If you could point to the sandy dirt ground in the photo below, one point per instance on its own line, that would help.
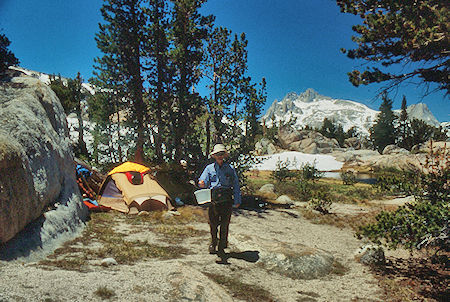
(187, 277)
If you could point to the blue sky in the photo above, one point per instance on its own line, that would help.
(294, 44)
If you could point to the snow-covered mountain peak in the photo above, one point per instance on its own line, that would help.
(309, 108)
(422, 112)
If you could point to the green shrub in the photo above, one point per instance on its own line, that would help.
(282, 172)
(305, 189)
(310, 172)
(396, 182)
(320, 201)
(424, 223)
(348, 177)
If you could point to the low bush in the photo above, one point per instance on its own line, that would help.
(425, 222)
(282, 172)
(348, 177)
(396, 182)
(320, 201)
(310, 172)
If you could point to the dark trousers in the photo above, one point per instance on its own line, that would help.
(220, 215)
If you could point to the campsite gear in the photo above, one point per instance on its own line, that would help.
(223, 176)
(203, 196)
(221, 195)
(178, 201)
(218, 148)
(129, 188)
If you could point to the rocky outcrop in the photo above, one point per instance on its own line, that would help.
(267, 188)
(306, 141)
(354, 143)
(265, 146)
(37, 171)
(294, 261)
(355, 155)
(427, 147)
(393, 149)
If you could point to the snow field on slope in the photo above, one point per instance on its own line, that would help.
(322, 162)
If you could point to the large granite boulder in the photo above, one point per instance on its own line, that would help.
(429, 146)
(295, 260)
(37, 171)
(393, 149)
(265, 147)
(352, 156)
(307, 141)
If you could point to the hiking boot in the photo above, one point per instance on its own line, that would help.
(212, 249)
(221, 253)
(223, 246)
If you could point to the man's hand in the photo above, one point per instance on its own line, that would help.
(201, 184)
(236, 205)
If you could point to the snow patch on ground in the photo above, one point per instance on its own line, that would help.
(322, 162)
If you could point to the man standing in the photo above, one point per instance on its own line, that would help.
(222, 179)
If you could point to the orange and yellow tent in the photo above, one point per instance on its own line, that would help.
(130, 188)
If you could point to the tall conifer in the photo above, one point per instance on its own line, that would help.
(189, 30)
(121, 39)
(383, 132)
(404, 128)
(159, 74)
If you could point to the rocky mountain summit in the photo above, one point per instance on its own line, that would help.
(310, 109)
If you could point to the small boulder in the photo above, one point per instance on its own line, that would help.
(284, 199)
(267, 188)
(108, 262)
(370, 255)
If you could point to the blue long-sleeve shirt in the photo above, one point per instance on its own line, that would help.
(224, 176)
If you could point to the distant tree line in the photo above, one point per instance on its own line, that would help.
(392, 130)
(388, 129)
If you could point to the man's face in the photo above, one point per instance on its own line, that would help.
(219, 157)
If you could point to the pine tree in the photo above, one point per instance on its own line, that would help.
(404, 128)
(160, 72)
(226, 66)
(78, 96)
(72, 95)
(218, 70)
(189, 31)
(121, 39)
(7, 58)
(62, 91)
(328, 128)
(383, 132)
(420, 131)
(253, 107)
(412, 34)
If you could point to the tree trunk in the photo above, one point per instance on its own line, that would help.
(208, 136)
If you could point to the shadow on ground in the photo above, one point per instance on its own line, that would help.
(249, 256)
(426, 279)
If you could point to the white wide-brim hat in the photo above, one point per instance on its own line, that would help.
(218, 148)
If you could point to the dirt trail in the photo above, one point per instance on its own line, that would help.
(194, 275)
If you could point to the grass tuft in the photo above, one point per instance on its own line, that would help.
(69, 264)
(104, 293)
(242, 291)
(341, 221)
